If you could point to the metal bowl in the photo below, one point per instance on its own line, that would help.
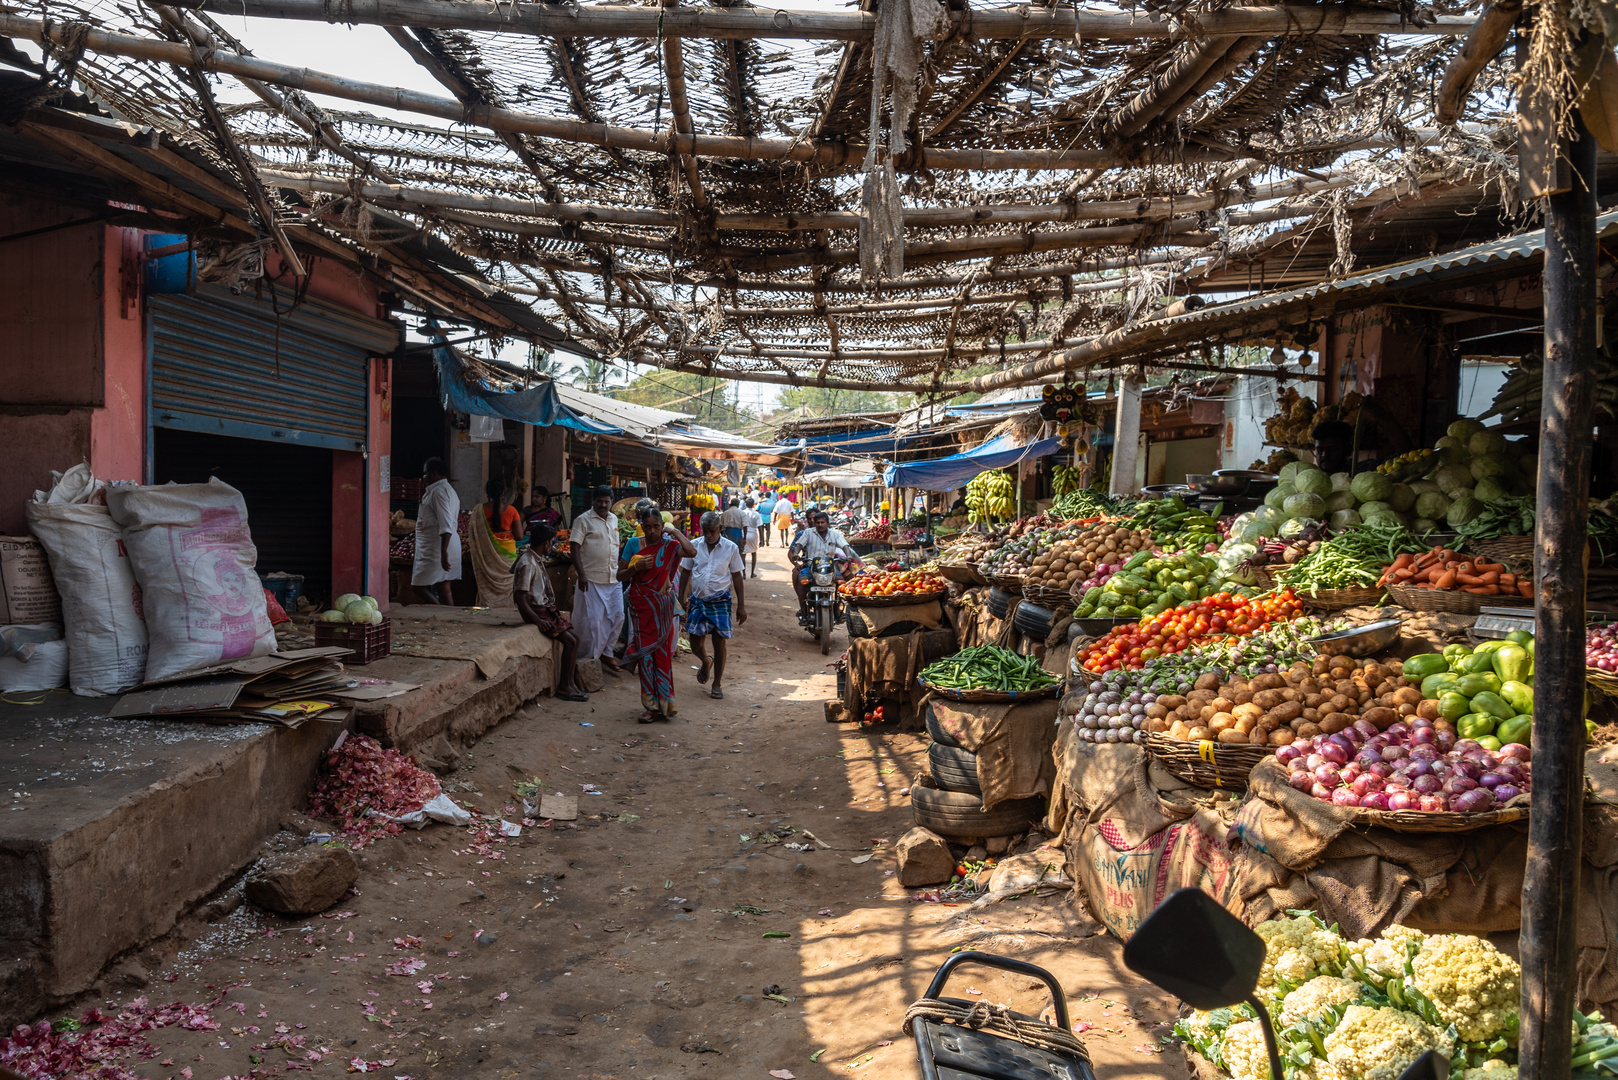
(1360, 641)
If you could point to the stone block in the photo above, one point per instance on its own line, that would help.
(924, 858)
(303, 882)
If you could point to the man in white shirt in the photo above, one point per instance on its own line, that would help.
(815, 541)
(750, 538)
(733, 522)
(438, 537)
(598, 601)
(707, 581)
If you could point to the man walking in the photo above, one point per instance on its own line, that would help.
(707, 581)
(766, 507)
(438, 538)
(750, 538)
(733, 522)
(598, 602)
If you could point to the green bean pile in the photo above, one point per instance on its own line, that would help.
(987, 667)
(1353, 559)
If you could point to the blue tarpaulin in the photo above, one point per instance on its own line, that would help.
(954, 471)
(538, 405)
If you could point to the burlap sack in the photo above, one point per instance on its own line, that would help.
(928, 615)
(1012, 742)
(888, 668)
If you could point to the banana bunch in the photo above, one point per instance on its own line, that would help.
(1064, 480)
(1520, 395)
(988, 496)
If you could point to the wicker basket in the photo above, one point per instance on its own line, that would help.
(1212, 765)
(991, 695)
(1451, 601)
(1604, 681)
(1436, 821)
(1012, 583)
(1514, 551)
(896, 600)
(1338, 599)
(1058, 600)
(960, 573)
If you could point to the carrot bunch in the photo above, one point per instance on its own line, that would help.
(1443, 568)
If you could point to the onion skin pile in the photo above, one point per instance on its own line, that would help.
(1412, 766)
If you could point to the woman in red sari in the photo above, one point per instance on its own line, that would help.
(653, 630)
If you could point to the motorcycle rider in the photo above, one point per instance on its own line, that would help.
(819, 539)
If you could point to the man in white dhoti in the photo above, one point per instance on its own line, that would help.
(598, 602)
(438, 538)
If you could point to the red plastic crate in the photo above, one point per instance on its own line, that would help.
(408, 488)
(368, 642)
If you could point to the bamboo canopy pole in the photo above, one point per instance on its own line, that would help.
(1550, 895)
(624, 21)
(1483, 43)
(830, 154)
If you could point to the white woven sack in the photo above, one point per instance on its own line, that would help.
(194, 557)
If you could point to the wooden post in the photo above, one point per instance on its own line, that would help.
(1551, 882)
(1126, 437)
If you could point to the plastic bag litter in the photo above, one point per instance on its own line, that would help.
(1033, 872)
(438, 808)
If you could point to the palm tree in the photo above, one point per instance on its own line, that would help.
(595, 375)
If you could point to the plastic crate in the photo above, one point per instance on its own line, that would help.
(367, 642)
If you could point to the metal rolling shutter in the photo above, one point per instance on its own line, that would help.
(222, 364)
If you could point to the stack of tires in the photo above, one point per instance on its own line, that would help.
(951, 803)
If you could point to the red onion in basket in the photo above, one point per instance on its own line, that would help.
(1366, 728)
(1365, 784)
(1424, 736)
(1302, 780)
(1334, 754)
(1328, 775)
(1434, 803)
(1426, 785)
(1394, 753)
(1286, 755)
(1344, 797)
(1403, 800)
(1459, 785)
(1376, 800)
(1506, 792)
(1472, 802)
(1398, 730)
(1516, 751)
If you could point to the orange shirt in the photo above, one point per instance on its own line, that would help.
(510, 519)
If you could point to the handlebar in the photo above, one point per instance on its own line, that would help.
(1058, 999)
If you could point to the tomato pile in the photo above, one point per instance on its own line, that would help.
(872, 716)
(903, 583)
(1135, 645)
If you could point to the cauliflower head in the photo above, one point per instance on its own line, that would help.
(1385, 954)
(1296, 950)
(1472, 984)
(1244, 1052)
(1493, 1069)
(1315, 996)
(1380, 1043)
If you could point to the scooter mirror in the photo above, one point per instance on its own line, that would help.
(1430, 1066)
(1196, 950)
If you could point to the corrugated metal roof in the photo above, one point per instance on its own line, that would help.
(638, 420)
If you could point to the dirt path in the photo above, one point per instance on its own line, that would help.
(642, 946)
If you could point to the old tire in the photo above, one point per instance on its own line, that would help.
(999, 602)
(1034, 621)
(824, 623)
(953, 769)
(936, 730)
(961, 816)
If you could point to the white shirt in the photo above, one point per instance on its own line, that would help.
(529, 575)
(753, 520)
(595, 538)
(733, 518)
(438, 513)
(712, 567)
(813, 545)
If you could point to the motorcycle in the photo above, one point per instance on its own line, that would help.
(825, 602)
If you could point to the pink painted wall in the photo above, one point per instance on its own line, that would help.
(379, 439)
(118, 431)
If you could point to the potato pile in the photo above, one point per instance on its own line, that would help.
(1303, 701)
(971, 549)
(1069, 562)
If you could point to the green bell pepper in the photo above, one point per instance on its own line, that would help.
(1475, 663)
(1475, 725)
(1453, 706)
(1453, 653)
(1436, 686)
(1518, 729)
(1092, 594)
(1490, 743)
(1493, 704)
(1141, 559)
(1491, 646)
(1473, 685)
(1181, 591)
(1126, 611)
(1425, 664)
(1520, 696)
(1520, 637)
(1512, 663)
(1084, 611)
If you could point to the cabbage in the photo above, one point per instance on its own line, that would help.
(1484, 468)
(1422, 526)
(1340, 481)
(1270, 515)
(342, 602)
(1453, 477)
(1237, 523)
(1487, 444)
(1231, 554)
(1431, 504)
(1305, 504)
(1257, 532)
(1278, 495)
(1383, 517)
(1451, 451)
(1339, 500)
(1367, 509)
(1461, 511)
(1402, 497)
(1294, 526)
(1343, 519)
(361, 612)
(1313, 481)
(1291, 469)
(1463, 429)
(1371, 487)
(1490, 490)
(372, 601)
(1461, 493)
(1422, 487)
(333, 616)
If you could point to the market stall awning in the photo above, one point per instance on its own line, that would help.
(954, 471)
(626, 416)
(712, 444)
(856, 474)
(538, 405)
